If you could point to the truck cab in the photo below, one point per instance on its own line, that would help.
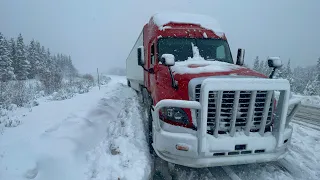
(204, 108)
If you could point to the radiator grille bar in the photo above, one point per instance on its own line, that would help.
(250, 113)
(218, 104)
(234, 113)
(265, 112)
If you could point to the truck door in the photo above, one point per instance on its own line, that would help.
(152, 63)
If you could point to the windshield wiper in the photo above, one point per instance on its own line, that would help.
(174, 84)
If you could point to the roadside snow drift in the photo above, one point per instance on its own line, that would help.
(98, 135)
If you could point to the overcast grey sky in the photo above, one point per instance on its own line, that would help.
(100, 33)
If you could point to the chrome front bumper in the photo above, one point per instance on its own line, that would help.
(205, 150)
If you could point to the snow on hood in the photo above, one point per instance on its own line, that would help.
(197, 64)
(192, 66)
(207, 22)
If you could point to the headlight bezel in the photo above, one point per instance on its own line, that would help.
(174, 114)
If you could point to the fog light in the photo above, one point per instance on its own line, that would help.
(182, 147)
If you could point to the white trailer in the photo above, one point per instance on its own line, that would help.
(134, 73)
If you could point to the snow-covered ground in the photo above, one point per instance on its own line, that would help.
(97, 135)
(100, 136)
(313, 101)
(309, 100)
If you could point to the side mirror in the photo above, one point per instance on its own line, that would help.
(140, 54)
(240, 57)
(274, 62)
(168, 59)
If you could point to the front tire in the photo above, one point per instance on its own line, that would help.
(147, 104)
(128, 83)
(150, 132)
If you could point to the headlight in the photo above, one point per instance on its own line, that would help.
(174, 114)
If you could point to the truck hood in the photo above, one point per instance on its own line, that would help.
(187, 70)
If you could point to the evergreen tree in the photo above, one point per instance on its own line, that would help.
(6, 70)
(256, 64)
(33, 59)
(43, 59)
(39, 58)
(267, 69)
(312, 87)
(289, 75)
(280, 73)
(55, 65)
(48, 61)
(288, 69)
(23, 64)
(261, 67)
(13, 53)
(72, 69)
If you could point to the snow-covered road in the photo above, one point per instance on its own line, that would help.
(100, 136)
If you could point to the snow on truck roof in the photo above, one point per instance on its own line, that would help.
(207, 22)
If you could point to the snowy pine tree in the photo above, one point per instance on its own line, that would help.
(43, 59)
(267, 69)
(289, 75)
(261, 67)
(22, 64)
(6, 69)
(288, 69)
(13, 53)
(49, 63)
(39, 59)
(33, 59)
(280, 73)
(312, 87)
(256, 64)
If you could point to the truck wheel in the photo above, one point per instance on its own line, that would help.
(150, 138)
(128, 83)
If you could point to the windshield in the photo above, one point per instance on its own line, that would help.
(181, 48)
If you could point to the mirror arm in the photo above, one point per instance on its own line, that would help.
(272, 73)
(151, 70)
(173, 81)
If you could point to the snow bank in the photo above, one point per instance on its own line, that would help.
(161, 19)
(123, 153)
(197, 64)
(94, 135)
(309, 100)
(313, 101)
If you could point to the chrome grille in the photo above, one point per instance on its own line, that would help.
(241, 118)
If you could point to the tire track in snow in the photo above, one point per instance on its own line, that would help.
(230, 173)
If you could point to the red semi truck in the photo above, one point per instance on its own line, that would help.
(203, 108)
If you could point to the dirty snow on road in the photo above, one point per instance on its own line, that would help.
(97, 135)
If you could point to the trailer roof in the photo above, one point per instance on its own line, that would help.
(207, 22)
